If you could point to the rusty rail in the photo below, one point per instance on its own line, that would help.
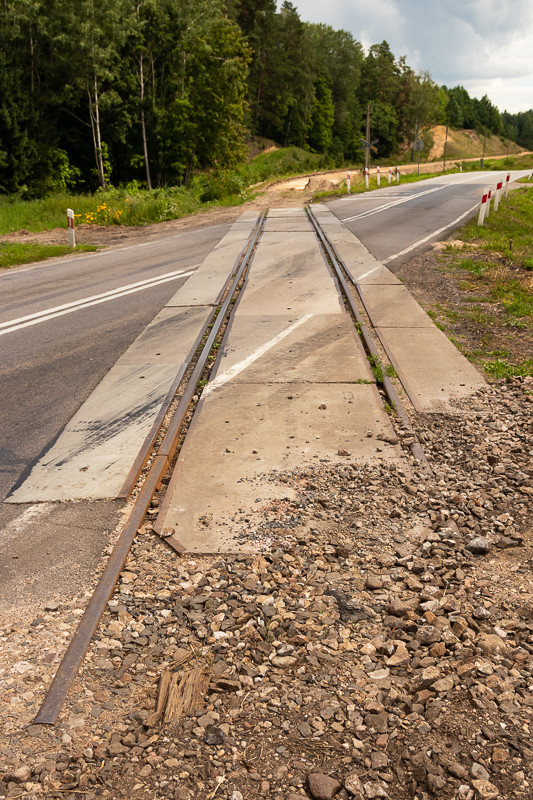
(340, 270)
(75, 653)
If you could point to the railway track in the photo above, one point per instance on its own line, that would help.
(158, 454)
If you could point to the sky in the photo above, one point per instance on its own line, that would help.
(484, 45)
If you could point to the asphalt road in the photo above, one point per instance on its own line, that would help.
(63, 324)
(398, 221)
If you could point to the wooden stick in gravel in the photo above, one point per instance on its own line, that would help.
(179, 694)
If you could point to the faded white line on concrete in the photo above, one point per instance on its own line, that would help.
(231, 373)
(430, 236)
(15, 527)
(386, 206)
(366, 274)
(68, 308)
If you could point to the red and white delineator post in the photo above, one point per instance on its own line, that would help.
(507, 181)
(348, 179)
(390, 175)
(397, 174)
(71, 232)
(498, 195)
(483, 207)
(366, 177)
(378, 176)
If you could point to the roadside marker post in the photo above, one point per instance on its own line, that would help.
(378, 175)
(507, 180)
(487, 210)
(483, 207)
(390, 175)
(397, 174)
(348, 176)
(366, 178)
(71, 231)
(498, 195)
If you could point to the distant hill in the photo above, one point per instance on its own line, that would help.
(466, 143)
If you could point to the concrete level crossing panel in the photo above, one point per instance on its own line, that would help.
(361, 265)
(393, 307)
(206, 285)
(284, 394)
(313, 348)
(91, 458)
(243, 436)
(432, 371)
(289, 274)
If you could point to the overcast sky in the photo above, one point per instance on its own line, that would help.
(484, 45)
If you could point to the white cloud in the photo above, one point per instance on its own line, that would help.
(485, 45)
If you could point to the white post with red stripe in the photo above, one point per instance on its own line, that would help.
(348, 177)
(71, 232)
(366, 177)
(483, 207)
(507, 180)
(498, 195)
(489, 197)
(397, 174)
(390, 175)
(378, 175)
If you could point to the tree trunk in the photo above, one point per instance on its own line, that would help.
(94, 113)
(143, 126)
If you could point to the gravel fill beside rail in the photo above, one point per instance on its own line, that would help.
(379, 647)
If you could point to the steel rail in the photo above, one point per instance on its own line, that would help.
(340, 270)
(151, 437)
(75, 653)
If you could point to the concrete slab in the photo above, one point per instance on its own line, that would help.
(361, 265)
(289, 274)
(323, 349)
(168, 339)
(215, 504)
(93, 455)
(287, 224)
(207, 283)
(297, 211)
(394, 307)
(432, 370)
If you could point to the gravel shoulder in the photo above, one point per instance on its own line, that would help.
(380, 646)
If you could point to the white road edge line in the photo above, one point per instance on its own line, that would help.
(176, 273)
(430, 236)
(82, 305)
(231, 373)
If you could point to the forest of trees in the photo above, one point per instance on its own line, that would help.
(94, 93)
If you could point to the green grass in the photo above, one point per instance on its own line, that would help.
(376, 367)
(118, 206)
(515, 299)
(13, 254)
(501, 369)
(282, 163)
(508, 232)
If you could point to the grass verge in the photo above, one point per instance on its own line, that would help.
(14, 254)
(488, 311)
